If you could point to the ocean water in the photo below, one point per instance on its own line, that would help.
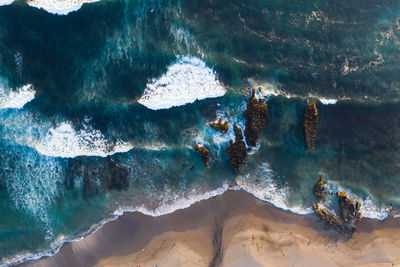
(102, 101)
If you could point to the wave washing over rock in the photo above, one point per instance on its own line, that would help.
(187, 80)
(64, 141)
(16, 98)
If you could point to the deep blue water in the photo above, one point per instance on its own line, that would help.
(76, 145)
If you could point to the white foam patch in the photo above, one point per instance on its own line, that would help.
(33, 185)
(59, 7)
(187, 80)
(6, 2)
(261, 184)
(64, 141)
(327, 101)
(16, 98)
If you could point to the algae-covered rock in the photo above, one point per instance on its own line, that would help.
(256, 115)
(328, 217)
(220, 126)
(237, 150)
(205, 156)
(320, 187)
(310, 124)
(349, 211)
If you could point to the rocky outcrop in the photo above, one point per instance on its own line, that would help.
(237, 150)
(310, 124)
(320, 187)
(256, 114)
(205, 156)
(220, 126)
(349, 212)
(327, 216)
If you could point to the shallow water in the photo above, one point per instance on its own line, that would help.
(77, 143)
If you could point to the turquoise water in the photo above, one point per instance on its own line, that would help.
(98, 112)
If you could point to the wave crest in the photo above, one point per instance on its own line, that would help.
(59, 7)
(64, 141)
(16, 98)
(187, 80)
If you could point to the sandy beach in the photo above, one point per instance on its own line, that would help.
(234, 229)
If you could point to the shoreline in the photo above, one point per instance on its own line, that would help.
(225, 230)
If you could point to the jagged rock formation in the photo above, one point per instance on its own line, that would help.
(256, 115)
(327, 216)
(320, 187)
(237, 149)
(350, 213)
(310, 124)
(220, 126)
(205, 156)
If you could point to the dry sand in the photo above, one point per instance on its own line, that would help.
(234, 229)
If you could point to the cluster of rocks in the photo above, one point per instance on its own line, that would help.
(205, 155)
(256, 114)
(310, 124)
(350, 213)
(220, 126)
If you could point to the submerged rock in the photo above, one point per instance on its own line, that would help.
(256, 115)
(205, 156)
(320, 187)
(237, 149)
(310, 124)
(220, 126)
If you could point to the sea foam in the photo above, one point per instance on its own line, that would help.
(64, 141)
(179, 202)
(187, 80)
(261, 184)
(6, 2)
(16, 98)
(59, 7)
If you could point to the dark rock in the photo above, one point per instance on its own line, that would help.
(328, 217)
(237, 149)
(320, 187)
(349, 211)
(203, 153)
(310, 124)
(220, 126)
(256, 115)
(350, 214)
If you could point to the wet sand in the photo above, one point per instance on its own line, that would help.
(234, 229)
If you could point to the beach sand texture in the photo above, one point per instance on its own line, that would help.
(233, 229)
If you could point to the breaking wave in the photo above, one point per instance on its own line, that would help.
(261, 184)
(16, 98)
(59, 7)
(187, 80)
(64, 141)
(6, 2)
(177, 203)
